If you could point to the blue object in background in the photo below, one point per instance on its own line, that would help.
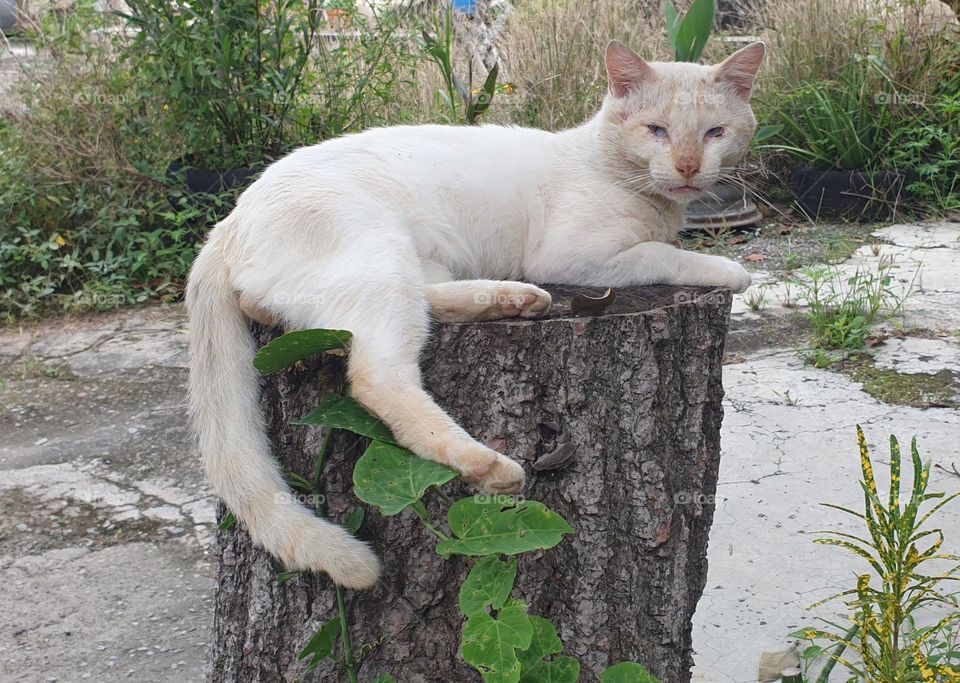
(468, 7)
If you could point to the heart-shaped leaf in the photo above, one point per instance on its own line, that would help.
(490, 527)
(342, 412)
(393, 478)
(321, 645)
(354, 520)
(490, 644)
(628, 672)
(284, 351)
(544, 643)
(559, 670)
(488, 585)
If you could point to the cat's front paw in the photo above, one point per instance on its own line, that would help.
(519, 299)
(491, 472)
(731, 275)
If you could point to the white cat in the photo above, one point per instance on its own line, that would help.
(375, 232)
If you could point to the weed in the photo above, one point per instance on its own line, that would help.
(844, 308)
(884, 642)
(756, 298)
(788, 400)
(820, 359)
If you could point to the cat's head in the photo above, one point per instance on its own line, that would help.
(674, 129)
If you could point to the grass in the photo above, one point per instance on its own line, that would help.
(920, 390)
(844, 308)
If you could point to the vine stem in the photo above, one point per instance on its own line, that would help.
(443, 496)
(349, 663)
(422, 514)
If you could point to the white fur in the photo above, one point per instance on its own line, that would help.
(369, 232)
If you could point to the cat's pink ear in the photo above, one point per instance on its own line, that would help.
(626, 69)
(740, 68)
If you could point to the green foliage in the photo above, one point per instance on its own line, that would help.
(455, 94)
(248, 80)
(321, 644)
(930, 148)
(295, 346)
(487, 525)
(838, 123)
(627, 672)
(393, 478)
(500, 639)
(535, 666)
(341, 412)
(488, 585)
(86, 217)
(890, 107)
(84, 221)
(897, 548)
(844, 308)
(490, 643)
(689, 34)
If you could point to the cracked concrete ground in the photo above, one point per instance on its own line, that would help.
(789, 444)
(105, 524)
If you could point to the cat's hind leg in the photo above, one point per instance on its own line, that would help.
(386, 310)
(477, 300)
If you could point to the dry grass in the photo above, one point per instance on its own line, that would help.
(813, 40)
(553, 51)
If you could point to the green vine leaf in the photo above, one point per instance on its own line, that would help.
(229, 521)
(283, 577)
(488, 585)
(354, 520)
(559, 670)
(628, 672)
(342, 412)
(321, 645)
(544, 643)
(393, 478)
(490, 644)
(284, 351)
(491, 527)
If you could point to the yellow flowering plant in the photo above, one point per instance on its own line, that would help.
(880, 643)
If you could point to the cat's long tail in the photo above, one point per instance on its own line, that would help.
(225, 413)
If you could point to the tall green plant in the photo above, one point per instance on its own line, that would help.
(456, 96)
(842, 123)
(500, 639)
(248, 80)
(689, 34)
(880, 644)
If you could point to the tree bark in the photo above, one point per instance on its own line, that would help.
(636, 391)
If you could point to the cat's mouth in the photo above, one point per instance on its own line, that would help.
(685, 190)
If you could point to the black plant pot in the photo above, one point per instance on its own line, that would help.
(200, 181)
(852, 195)
(726, 208)
(200, 188)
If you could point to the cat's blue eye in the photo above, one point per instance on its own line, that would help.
(715, 132)
(658, 131)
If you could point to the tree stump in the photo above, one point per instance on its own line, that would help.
(635, 393)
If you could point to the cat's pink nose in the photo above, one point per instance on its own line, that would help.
(688, 167)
